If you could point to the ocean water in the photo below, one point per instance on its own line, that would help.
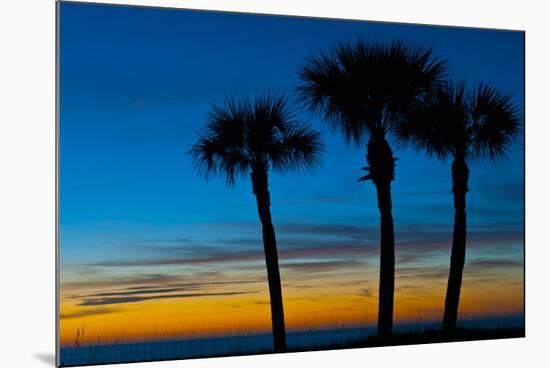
(249, 344)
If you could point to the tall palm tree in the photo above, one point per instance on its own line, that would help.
(255, 137)
(363, 89)
(453, 123)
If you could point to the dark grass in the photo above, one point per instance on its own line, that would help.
(262, 344)
(438, 336)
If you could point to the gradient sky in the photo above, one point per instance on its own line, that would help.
(150, 250)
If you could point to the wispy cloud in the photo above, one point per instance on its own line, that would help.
(322, 199)
(333, 230)
(326, 266)
(215, 257)
(139, 290)
(512, 191)
(134, 299)
(494, 263)
(229, 256)
(86, 313)
(321, 241)
(340, 198)
(145, 280)
(422, 273)
(367, 293)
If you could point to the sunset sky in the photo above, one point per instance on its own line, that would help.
(150, 250)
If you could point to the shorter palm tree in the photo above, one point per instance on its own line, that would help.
(452, 123)
(255, 137)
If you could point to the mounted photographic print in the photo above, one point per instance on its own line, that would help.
(236, 184)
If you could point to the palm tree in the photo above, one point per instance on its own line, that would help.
(363, 89)
(255, 137)
(464, 127)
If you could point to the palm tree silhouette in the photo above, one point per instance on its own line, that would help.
(257, 136)
(363, 89)
(463, 126)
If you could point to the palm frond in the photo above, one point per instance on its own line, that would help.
(436, 123)
(328, 91)
(361, 87)
(299, 148)
(496, 122)
(250, 134)
(483, 123)
(220, 149)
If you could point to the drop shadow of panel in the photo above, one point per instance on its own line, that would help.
(47, 358)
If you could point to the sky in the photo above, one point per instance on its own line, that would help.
(149, 249)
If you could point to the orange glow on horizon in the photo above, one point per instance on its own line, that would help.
(311, 308)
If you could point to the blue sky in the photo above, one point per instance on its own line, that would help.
(136, 85)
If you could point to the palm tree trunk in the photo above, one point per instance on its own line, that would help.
(387, 262)
(382, 169)
(460, 174)
(259, 185)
